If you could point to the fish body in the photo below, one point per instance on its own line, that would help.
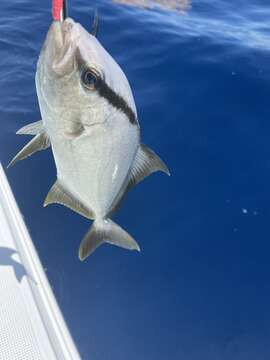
(90, 120)
(94, 144)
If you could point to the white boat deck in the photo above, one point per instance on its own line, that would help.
(31, 324)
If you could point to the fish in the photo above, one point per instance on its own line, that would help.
(90, 121)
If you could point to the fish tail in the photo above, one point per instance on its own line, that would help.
(105, 231)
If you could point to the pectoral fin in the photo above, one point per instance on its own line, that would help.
(39, 142)
(59, 195)
(146, 162)
(31, 129)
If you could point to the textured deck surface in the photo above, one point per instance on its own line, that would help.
(31, 324)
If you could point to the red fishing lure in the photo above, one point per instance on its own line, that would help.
(57, 9)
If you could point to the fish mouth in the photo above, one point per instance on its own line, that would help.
(62, 43)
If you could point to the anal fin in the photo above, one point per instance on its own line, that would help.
(59, 195)
(39, 142)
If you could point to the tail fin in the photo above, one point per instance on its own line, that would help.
(105, 231)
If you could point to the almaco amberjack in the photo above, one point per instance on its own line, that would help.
(90, 120)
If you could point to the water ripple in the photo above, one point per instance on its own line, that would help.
(221, 22)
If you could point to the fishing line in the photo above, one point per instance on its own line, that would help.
(59, 10)
(65, 9)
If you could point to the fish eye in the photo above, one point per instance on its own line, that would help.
(90, 78)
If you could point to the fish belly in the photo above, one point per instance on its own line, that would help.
(95, 165)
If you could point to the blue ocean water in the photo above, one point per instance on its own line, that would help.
(200, 287)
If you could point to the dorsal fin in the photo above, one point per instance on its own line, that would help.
(146, 162)
(39, 142)
(59, 195)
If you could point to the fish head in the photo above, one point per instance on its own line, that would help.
(78, 82)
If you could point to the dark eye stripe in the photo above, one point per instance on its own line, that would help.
(109, 94)
(116, 100)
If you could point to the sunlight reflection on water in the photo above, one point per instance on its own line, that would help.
(179, 5)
